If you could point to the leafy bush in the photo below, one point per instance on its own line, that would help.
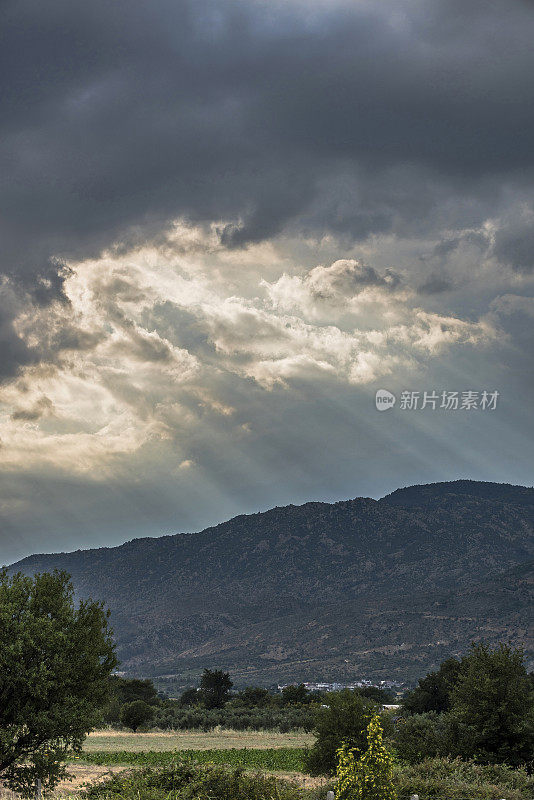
(343, 721)
(424, 736)
(136, 714)
(187, 781)
(367, 776)
(456, 779)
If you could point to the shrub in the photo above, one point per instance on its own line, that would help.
(191, 782)
(344, 720)
(423, 736)
(366, 776)
(456, 779)
(135, 715)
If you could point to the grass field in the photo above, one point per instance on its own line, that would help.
(119, 741)
(280, 759)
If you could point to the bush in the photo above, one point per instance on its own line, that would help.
(343, 721)
(191, 782)
(135, 715)
(456, 779)
(423, 736)
(370, 776)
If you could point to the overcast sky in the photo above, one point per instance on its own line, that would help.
(224, 225)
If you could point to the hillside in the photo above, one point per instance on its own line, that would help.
(381, 588)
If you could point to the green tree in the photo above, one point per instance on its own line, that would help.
(380, 696)
(295, 695)
(344, 720)
(215, 687)
(126, 690)
(493, 705)
(433, 692)
(55, 662)
(190, 697)
(421, 736)
(254, 696)
(136, 714)
(367, 775)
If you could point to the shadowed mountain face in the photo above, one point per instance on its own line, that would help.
(381, 589)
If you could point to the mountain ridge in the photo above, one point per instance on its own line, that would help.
(277, 594)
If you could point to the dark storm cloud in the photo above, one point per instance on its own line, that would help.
(119, 116)
(435, 284)
(514, 246)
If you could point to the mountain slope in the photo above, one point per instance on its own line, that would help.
(384, 588)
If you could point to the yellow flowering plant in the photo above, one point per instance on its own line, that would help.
(367, 775)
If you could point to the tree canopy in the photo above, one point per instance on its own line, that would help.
(480, 707)
(433, 692)
(493, 705)
(55, 662)
(343, 721)
(215, 687)
(136, 714)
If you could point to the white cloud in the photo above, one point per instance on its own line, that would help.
(152, 342)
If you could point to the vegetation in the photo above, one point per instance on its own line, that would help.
(188, 781)
(171, 717)
(488, 702)
(281, 759)
(367, 775)
(457, 779)
(342, 722)
(433, 692)
(136, 714)
(215, 688)
(55, 662)
(493, 706)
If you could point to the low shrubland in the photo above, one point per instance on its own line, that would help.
(456, 779)
(189, 781)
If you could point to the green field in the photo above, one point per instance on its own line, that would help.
(281, 759)
(119, 741)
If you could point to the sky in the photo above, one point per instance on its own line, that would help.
(225, 224)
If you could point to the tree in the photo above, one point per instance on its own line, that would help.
(493, 705)
(126, 690)
(136, 714)
(344, 720)
(381, 696)
(55, 662)
(254, 696)
(433, 692)
(367, 775)
(295, 695)
(427, 735)
(190, 697)
(215, 686)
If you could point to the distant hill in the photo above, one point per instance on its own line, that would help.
(361, 587)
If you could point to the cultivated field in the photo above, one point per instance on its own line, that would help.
(116, 741)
